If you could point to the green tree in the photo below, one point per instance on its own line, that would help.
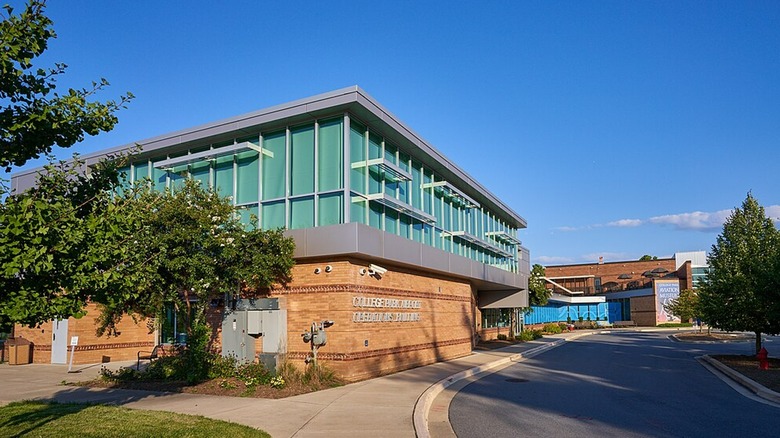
(33, 117)
(685, 306)
(59, 243)
(740, 291)
(190, 248)
(538, 294)
(647, 258)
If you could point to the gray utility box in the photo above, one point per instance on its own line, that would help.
(249, 320)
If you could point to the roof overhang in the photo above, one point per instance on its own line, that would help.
(589, 299)
(359, 240)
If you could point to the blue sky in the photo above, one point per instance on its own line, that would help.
(616, 128)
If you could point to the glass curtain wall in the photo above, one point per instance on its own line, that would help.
(293, 177)
(456, 226)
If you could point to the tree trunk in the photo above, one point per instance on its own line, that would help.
(758, 342)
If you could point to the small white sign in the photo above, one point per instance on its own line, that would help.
(74, 341)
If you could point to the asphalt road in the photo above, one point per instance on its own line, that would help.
(627, 384)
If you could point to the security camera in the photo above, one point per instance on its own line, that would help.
(328, 268)
(377, 269)
(317, 270)
(327, 323)
(363, 271)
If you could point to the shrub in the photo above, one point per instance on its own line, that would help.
(501, 337)
(552, 328)
(253, 374)
(537, 334)
(526, 335)
(222, 366)
(564, 326)
(676, 324)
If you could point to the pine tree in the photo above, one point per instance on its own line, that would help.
(738, 294)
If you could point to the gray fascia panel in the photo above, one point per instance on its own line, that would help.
(358, 240)
(499, 299)
(352, 99)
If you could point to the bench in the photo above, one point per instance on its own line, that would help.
(156, 352)
(624, 324)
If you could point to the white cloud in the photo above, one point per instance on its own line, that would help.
(625, 223)
(608, 257)
(773, 212)
(697, 220)
(553, 260)
(567, 229)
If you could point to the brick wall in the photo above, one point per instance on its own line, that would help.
(358, 350)
(131, 338)
(441, 321)
(643, 310)
(609, 273)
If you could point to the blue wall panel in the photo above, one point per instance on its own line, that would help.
(560, 312)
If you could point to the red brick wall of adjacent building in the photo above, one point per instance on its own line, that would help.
(609, 273)
(131, 338)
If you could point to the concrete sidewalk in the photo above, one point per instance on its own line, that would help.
(381, 407)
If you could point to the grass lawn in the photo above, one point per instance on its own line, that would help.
(61, 420)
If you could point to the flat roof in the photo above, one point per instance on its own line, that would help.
(351, 99)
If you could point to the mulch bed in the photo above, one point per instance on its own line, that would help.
(230, 387)
(748, 367)
(494, 344)
(715, 337)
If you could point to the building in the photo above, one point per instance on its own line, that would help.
(407, 254)
(630, 290)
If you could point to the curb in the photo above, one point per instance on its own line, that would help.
(424, 402)
(753, 386)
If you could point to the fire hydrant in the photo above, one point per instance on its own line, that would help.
(763, 361)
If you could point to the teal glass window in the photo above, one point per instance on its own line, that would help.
(416, 185)
(173, 327)
(375, 215)
(223, 176)
(247, 177)
(273, 215)
(302, 160)
(374, 180)
(390, 151)
(140, 171)
(374, 146)
(301, 213)
(159, 177)
(201, 172)
(357, 153)
(492, 318)
(391, 221)
(417, 231)
(248, 216)
(405, 228)
(124, 180)
(330, 149)
(330, 210)
(274, 166)
(427, 196)
(177, 176)
(456, 222)
(357, 211)
(437, 208)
